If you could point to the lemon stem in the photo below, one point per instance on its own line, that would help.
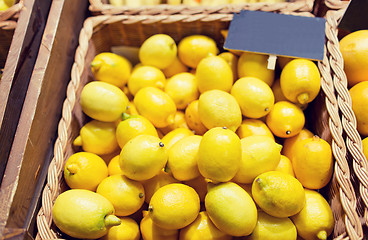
(260, 183)
(78, 141)
(322, 235)
(96, 65)
(112, 220)
(126, 116)
(303, 98)
(72, 168)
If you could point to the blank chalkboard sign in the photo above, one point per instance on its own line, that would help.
(356, 16)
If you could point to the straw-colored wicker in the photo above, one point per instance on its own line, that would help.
(101, 32)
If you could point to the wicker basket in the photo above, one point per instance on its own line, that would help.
(100, 33)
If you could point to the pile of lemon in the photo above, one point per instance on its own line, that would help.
(204, 145)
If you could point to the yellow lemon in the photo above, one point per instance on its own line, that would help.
(289, 143)
(156, 106)
(174, 206)
(213, 72)
(158, 50)
(143, 157)
(273, 228)
(132, 126)
(127, 230)
(254, 97)
(193, 120)
(219, 154)
(85, 171)
(114, 166)
(183, 157)
(182, 88)
(103, 101)
(199, 184)
(146, 76)
(300, 81)
(83, 214)
(277, 92)
(315, 220)
(179, 122)
(231, 209)
(285, 166)
(202, 228)
(250, 127)
(285, 119)
(111, 68)
(354, 48)
(359, 100)
(278, 194)
(174, 68)
(255, 65)
(131, 109)
(232, 60)
(192, 49)
(175, 135)
(217, 108)
(97, 137)
(151, 231)
(365, 147)
(259, 154)
(312, 162)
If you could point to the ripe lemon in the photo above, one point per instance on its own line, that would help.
(300, 81)
(202, 228)
(97, 137)
(131, 109)
(217, 108)
(213, 72)
(192, 49)
(277, 92)
(273, 228)
(159, 50)
(255, 65)
(231, 209)
(174, 68)
(193, 120)
(85, 170)
(359, 100)
(315, 220)
(254, 97)
(151, 231)
(103, 101)
(146, 76)
(175, 135)
(182, 88)
(156, 106)
(312, 162)
(289, 143)
(111, 68)
(285, 119)
(219, 154)
(285, 166)
(83, 214)
(114, 166)
(143, 157)
(354, 48)
(365, 147)
(183, 157)
(179, 122)
(199, 184)
(250, 127)
(127, 230)
(174, 206)
(133, 126)
(232, 60)
(278, 194)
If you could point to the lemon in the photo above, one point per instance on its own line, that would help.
(312, 162)
(219, 154)
(97, 137)
(250, 127)
(111, 68)
(158, 50)
(183, 157)
(179, 122)
(192, 49)
(217, 108)
(127, 230)
(114, 166)
(83, 214)
(354, 47)
(278, 194)
(103, 101)
(254, 97)
(151, 231)
(213, 72)
(289, 143)
(231, 209)
(133, 126)
(199, 184)
(259, 154)
(315, 220)
(300, 81)
(193, 120)
(359, 100)
(232, 60)
(285, 119)
(85, 170)
(175, 135)
(202, 228)
(277, 92)
(174, 68)
(285, 166)
(174, 206)
(143, 157)
(273, 228)
(156, 106)
(255, 65)
(146, 76)
(131, 109)
(365, 147)
(182, 88)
